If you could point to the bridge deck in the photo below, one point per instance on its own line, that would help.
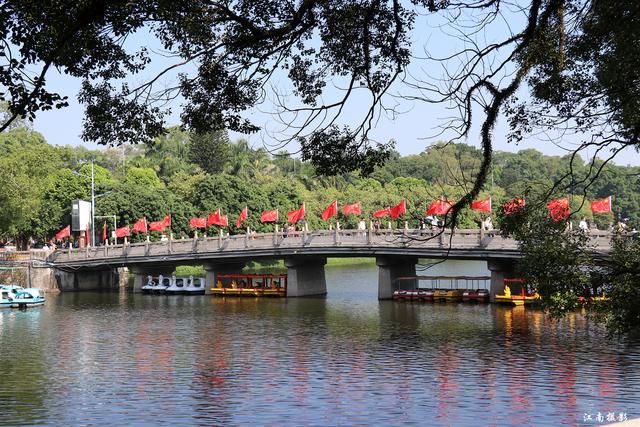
(462, 244)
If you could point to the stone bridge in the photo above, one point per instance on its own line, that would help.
(305, 253)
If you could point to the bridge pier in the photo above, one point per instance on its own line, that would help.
(88, 280)
(499, 270)
(213, 269)
(390, 268)
(305, 276)
(141, 273)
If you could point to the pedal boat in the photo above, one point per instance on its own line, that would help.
(148, 288)
(163, 283)
(177, 286)
(447, 295)
(475, 295)
(195, 286)
(414, 295)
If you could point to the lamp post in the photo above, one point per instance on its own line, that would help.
(93, 207)
(93, 201)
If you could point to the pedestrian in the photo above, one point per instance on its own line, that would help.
(488, 223)
(434, 223)
(362, 226)
(583, 225)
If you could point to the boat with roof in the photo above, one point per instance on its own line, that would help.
(256, 285)
(29, 297)
(517, 292)
(7, 294)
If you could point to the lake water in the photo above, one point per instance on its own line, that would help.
(347, 359)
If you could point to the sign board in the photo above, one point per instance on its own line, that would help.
(80, 215)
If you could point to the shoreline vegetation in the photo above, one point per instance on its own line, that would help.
(172, 177)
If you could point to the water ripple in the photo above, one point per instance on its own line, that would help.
(120, 359)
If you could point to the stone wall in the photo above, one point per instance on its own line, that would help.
(30, 277)
(31, 270)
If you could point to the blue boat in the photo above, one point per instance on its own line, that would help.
(13, 289)
(5, 298)
(29, 297)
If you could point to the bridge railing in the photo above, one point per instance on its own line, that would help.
(459, 239)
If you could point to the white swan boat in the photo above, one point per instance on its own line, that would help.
(163, 283)
(178, 285)
(186, 285)
(195, 286)
(148, 288)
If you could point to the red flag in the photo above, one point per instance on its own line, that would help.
(297, 215)
(167, 221)
(269, 216)
(216, 218)
(481, 205)
(104, 231)
(382, 213)
(398, 209)
(87, 236)
(513, 206)
(330, 211)
(140, 226)
(440, 207)
(157, 226)
(122, 231)
(351, 209)
(601, 206)
(198, 223)
(243, 215)
(65, 232)
(559, 209)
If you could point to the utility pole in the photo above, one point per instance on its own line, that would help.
(93, 207)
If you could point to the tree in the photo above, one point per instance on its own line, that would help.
(210, 150)
(566, 272)
(143, 178)
(26, 168)
(169, 153)
(574, 73)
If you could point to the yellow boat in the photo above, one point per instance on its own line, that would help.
(251, 285)
(522, 296)
(447, 295)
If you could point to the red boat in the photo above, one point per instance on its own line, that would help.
(475, 295)
(414, 295)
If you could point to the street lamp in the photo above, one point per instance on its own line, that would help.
(93, 207)
(93, 203)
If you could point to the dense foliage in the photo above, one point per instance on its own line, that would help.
(563, 267)
(576, 62)
(159, 178)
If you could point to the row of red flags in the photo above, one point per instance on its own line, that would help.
(558, 210)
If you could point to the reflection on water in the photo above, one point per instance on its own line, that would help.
(118, 359)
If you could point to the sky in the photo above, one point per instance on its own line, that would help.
(414, 128)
